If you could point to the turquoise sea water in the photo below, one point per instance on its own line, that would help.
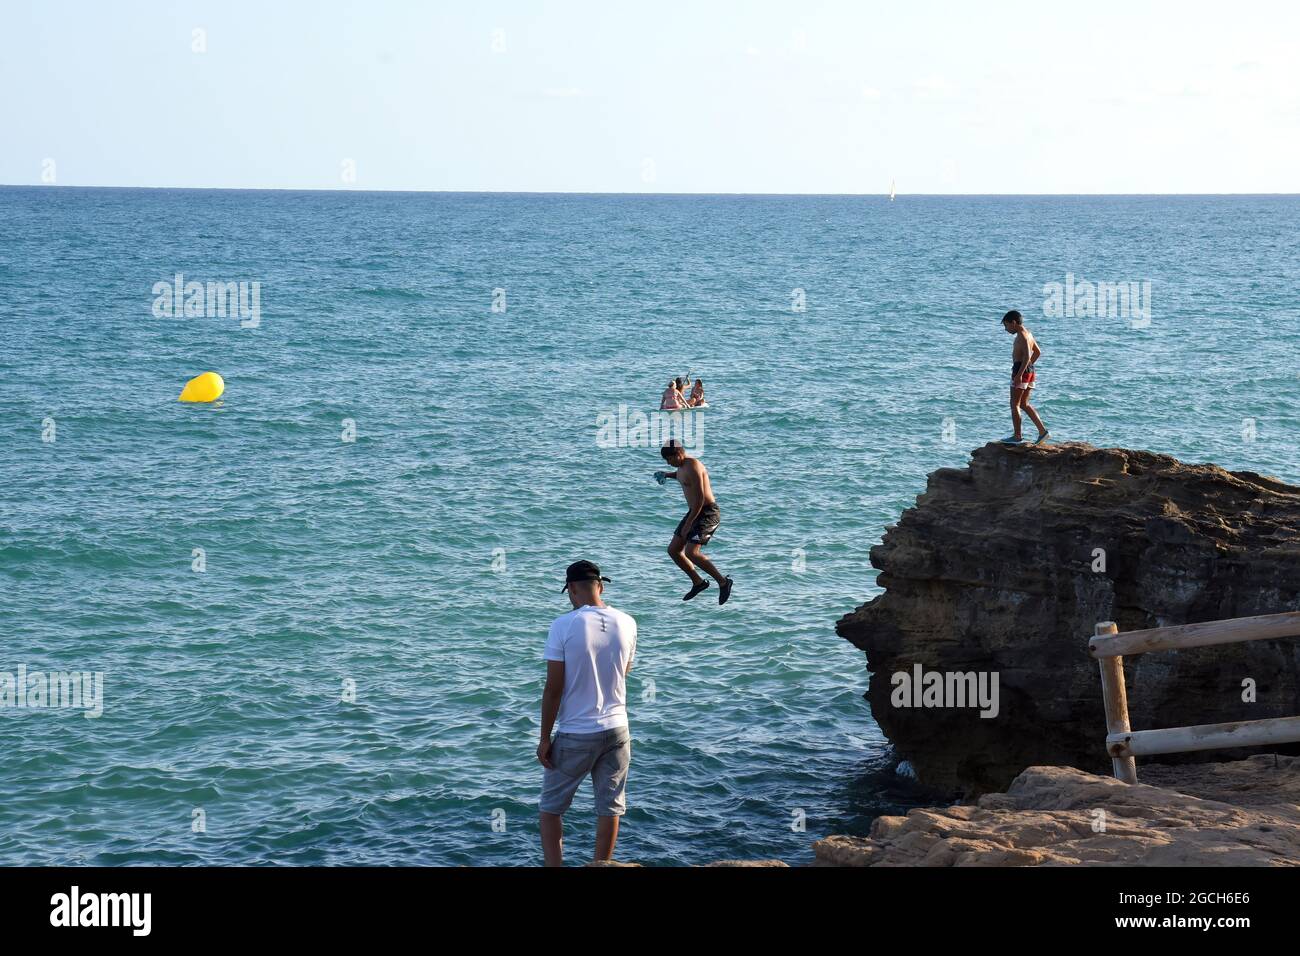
(423, 560)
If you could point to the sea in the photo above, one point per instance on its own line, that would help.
(308, 618)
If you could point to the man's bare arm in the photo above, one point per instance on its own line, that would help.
(551, 695)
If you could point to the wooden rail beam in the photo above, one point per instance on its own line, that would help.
(1241, 733)
(1263, 627)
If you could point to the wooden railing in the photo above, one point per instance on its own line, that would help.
(1123, 744)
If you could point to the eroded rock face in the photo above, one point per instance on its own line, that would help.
(1006, 566)
(1057, 816)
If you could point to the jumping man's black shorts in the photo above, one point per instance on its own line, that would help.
(704, 526)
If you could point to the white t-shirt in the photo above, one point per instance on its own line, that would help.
(597, 645)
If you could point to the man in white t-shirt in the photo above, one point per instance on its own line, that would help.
(588, 655)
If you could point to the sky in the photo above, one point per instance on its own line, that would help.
(705, 96)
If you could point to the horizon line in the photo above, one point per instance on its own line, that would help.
(585, 192)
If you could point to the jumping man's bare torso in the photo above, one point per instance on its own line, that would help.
(694, 479)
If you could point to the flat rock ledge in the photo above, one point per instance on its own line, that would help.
(715, 863)
(1243, 813)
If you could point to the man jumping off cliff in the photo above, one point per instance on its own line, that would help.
(1024, 353)
(701, 521)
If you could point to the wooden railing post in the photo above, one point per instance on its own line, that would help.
(1115, 700)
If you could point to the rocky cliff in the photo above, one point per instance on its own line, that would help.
(1004, 567)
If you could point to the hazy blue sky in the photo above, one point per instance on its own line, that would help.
(667, 96)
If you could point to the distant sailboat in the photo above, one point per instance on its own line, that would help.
(891, 190)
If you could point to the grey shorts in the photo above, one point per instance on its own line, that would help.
(603, 756)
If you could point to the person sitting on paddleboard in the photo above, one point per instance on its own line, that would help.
(672, 398)
(697, 394)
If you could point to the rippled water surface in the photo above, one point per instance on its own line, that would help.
(423, 561)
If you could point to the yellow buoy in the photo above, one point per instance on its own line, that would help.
(203, 388)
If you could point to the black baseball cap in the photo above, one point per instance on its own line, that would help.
(582, 571)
